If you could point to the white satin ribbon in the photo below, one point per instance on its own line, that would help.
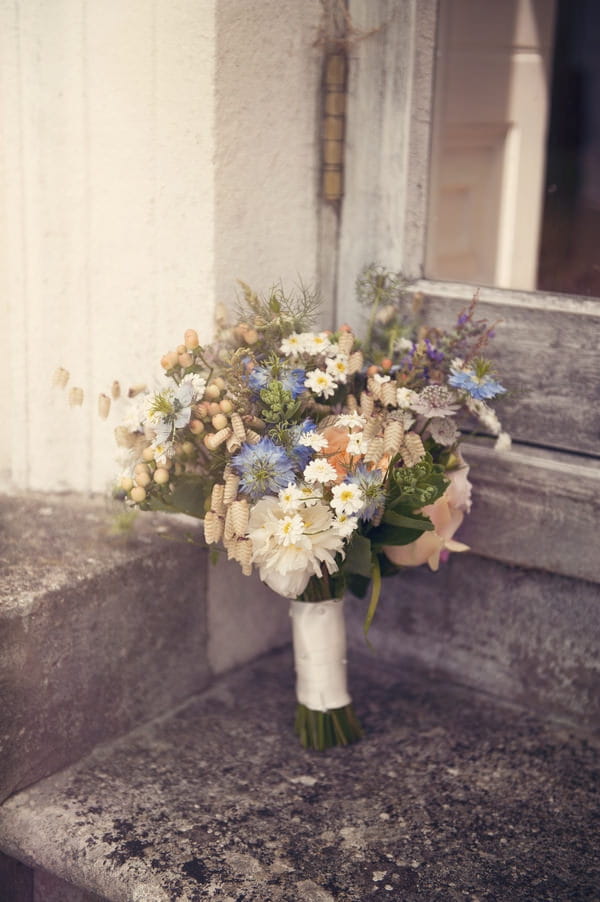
(319, 634)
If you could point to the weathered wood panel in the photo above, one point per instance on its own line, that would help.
(547, 352)
(535, 509)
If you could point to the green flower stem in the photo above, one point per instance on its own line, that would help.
(320, 730)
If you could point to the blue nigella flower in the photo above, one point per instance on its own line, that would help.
(292, 380)
(480, 387)
(370, 481)
(301, 455)
(264, 469)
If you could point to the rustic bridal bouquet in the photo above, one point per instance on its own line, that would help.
(318, 460)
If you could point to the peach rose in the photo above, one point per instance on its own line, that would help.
(446, 514)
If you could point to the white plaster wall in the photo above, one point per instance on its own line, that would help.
(153, 151)
(268, 84)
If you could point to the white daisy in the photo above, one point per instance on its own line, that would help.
(320, 470)
(321, 383)
(292, 345)
(357, 443)
(314, 440)
(316, 343)
(290, 498)
(405, 397)
(345, 525)
(347, 499)
(350, 420)
(290, 530)
(338, 367)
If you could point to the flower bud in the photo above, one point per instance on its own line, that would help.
(191, 339)
(60, 378)
(76, 397)
(103, 406)
(136, 389)
(115, 390)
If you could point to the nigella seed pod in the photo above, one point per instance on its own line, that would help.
(76, 397)
(210, 527)
(232, 484)
(217, 438)
(103, 406)
(60, 378)
(351, 403)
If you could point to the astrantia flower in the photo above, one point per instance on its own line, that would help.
(320, 470)
(289, 550)
(321, 383)
(476, 380)
(264, 469)
(347, 498)
(443, 431)
(435, 401)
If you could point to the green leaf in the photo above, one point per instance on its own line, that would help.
(188, 496)
(415, 521)
(358, 556)
(394, 535)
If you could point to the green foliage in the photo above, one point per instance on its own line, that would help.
(278, 404)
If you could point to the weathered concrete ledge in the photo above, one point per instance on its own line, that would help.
(101, 630)
(449, 797)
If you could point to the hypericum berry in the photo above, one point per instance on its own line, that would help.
(140, 468)
(148, 453)
(137, 494)
(196, 427)
(187, 448)
(185, 359)
(161, 475)
(168, 361)
(126, 483)
(212, 391)
(214, 408)
(143, 479)
(226, 405)
(191, 339)
(219, 421)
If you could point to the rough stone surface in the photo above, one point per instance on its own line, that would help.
(524, 635)
(98, 632)
(449, 797)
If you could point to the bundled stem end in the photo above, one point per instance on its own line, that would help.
(322, 730)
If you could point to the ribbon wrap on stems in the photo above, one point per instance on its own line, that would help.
(324, 716)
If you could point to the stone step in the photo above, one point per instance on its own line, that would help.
(450, 796)
(102, 630)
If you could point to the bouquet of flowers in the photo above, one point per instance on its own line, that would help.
(320, 461)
